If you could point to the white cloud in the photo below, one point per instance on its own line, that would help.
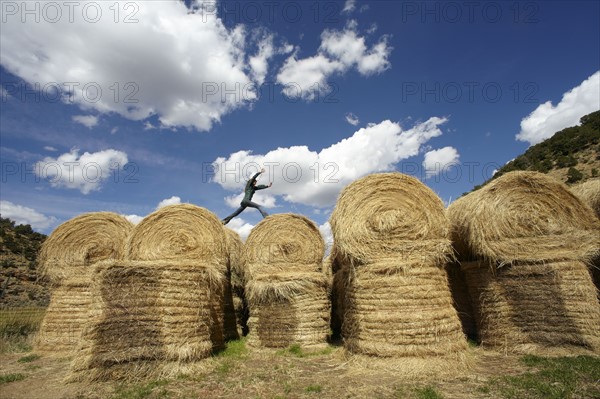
(304, 176)
(85, 173)
(50, 148)
(88, 121)
(114, 130)
(135, 219)
(174, 200)
(339, 52)
(548, 119)
(349, 6)
(241, 227)
(327, 235)
(352, 119)
(351, 50)
(23, 215)
(190, 60)
(436, 161)
(307, 77)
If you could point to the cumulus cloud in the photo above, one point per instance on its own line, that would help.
(24, 215)
(305, 176)
(88, 121)
(50, 148)
(352, 119)
(135, 219)
(85, 173)
(241, 227)
(174, 200)
(190, 60)
(436, 161)
(339, 52)
(548, 119)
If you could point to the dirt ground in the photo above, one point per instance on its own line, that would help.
(268, 374)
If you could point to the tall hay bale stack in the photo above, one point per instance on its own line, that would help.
(68, 258)
(523, 241)
(589, 193)
(175, 272)
(236, 273)
(391, 236)
(286, 288)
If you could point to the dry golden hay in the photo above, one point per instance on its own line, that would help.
(405, 314)
(534, 307)
(289, 308)
(67, 313)
(390, 213)
(283, 243)
(147, 315)
(80, 242)
(524, 216)
(179, 232)
(589, 192)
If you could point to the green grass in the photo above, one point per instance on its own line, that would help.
(28, 358)
(154, 389)
(313, 388)
(16, 327)
(427, 393)
(552, 378)
(20, 321)
(234, 349)
(6, 378)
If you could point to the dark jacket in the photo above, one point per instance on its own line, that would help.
(251, 188)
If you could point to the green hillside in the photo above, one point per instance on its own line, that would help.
(19, 282)
(571, 155)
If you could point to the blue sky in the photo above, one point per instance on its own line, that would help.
(127, 106)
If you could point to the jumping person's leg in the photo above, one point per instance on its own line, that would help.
(255, 205)
(234, 214)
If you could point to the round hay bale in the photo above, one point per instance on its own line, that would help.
(524, 216)
(289, 308)
(82, 241)
(148, 315)
(389, 214)
(589, 193)
(283, 243)
(179, 232)
(402, 314)
(534, 307)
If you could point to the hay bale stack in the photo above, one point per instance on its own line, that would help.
(391, 237)
(236, 273)
(176, 272)
(67, 259)
(462, 299)
(286, 288)
(147, 316)
(523, 241)
(589, 193)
